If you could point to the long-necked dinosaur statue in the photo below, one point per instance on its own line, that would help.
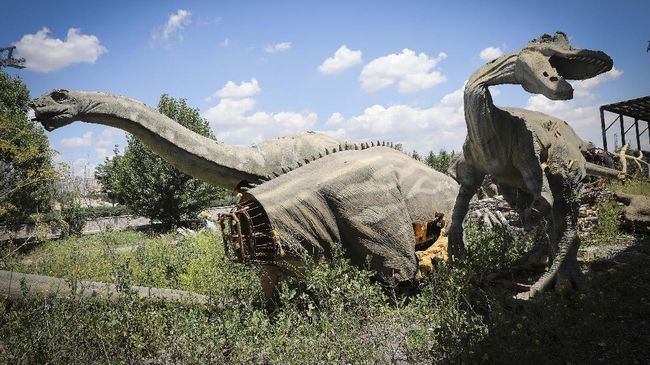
(368, 197)
(536, 159)
(217, 163)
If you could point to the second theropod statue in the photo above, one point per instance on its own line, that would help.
(535, 159)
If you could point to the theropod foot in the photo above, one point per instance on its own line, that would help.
(456, 246)
(566, 279)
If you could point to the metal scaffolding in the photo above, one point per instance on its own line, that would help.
(639, 109)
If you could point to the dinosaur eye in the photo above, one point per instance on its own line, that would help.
(59, 95)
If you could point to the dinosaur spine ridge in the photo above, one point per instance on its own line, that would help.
(342, 147)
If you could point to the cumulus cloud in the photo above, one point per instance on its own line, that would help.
(440, 126)
(81, 167)
(84, 141)
(410, 71)
(232, 90)
(277, 47)
(235, 122)
(43, 53)
(106, 138)
(490, 53)
(581, 112)
(343, 59)
(174, 26)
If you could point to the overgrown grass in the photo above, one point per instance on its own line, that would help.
(607, 230)
(636, 186)
(334, 313)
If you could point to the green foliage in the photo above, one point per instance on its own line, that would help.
(608, 222)
(636, 186)
(151, 187)
(27, 178)
(335, 312)
(416, 155)
(105, 211)
(440, 161)
(493, 250)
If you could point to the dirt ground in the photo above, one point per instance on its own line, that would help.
(607, 322)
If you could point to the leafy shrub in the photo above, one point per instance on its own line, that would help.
(27, 174)
(607, 228)
(106, 211)
(334, 312)
(493, 250)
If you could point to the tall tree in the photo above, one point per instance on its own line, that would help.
(151, 187)
(27, 175)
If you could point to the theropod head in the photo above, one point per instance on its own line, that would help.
(546, 63)
(56, 109)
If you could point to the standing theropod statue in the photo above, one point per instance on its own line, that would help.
(535, 159)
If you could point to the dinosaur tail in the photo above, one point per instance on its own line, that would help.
(602, 171)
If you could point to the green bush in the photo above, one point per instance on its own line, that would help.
(27, 174)
(607, 228)
(334, 312)
(493, 250)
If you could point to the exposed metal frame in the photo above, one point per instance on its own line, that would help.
(639, 109)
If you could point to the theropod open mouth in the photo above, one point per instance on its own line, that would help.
(581, 67)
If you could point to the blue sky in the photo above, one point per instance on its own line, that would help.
(258, 69)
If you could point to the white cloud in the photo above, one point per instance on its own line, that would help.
(412, 72)
(45, 54)
(84, 141)
(490, 53)
(581, 112)
(101, 153)
(107, 136)
(343, 59)
(277, 47)
(583, 88)
(81, 167)
(235, 122)
(232, 90)
(439, 126)
(175, 24)
(225, 42)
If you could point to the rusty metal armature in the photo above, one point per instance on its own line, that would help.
(247, 234)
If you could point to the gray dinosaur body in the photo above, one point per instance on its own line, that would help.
(367, 200)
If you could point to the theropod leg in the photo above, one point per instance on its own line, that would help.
(537, 257)
(564, 273)
(470, 182)
(537, 185)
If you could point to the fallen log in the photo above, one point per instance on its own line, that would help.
(11, 287)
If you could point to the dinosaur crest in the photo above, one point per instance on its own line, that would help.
(546, 63)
